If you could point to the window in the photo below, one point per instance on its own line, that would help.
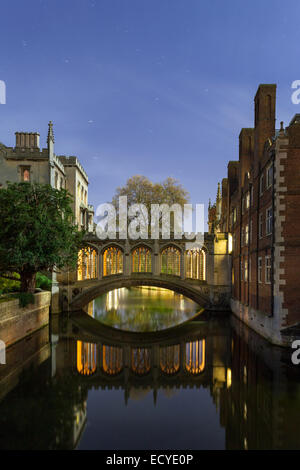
(261, 184)
(61, 183)
(141, 260)
(234, 215)
(246, 270)
(195, 264)
(112, 261)
(269, 221)
(241, 270)
(259, 270)
(243, 204)
(247, 234)
(261, 226)
(248, 200)
(269, 176)
(87, 267)
(268, 269)
(25, 173)
(170, 261)
(56, 180)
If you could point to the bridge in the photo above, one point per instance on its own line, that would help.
(201, 274)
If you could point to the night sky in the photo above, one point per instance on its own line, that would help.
(153, 87)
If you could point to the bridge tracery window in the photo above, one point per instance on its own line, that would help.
(170, 261)
(86, 358)
(87, 266)
(141, 260)
(195, 264)
(112, 261)
(170, 359)
(140, 360)
(112, 361)
(195, 356)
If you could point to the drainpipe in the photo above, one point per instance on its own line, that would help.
(240, 254)
(273, 235)
(249, 233)
(257, 234)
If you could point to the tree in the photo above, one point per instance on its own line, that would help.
(140, 190)
(37, 231)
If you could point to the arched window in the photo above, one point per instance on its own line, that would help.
(112, 360)
(170, 359)
(141, 260)
(195, 356)
(86, 358)
(195, 264)
(170, 261)
(112, 261)
(87, 267)
(140, 360)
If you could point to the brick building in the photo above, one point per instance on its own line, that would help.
(260, 208)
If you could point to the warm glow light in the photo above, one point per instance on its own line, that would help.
(229, 243)
(229, 378)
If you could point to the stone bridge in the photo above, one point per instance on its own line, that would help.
(201, 274)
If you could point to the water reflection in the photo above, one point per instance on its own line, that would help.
(208, 385)
(142, 309)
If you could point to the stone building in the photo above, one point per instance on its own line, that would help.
(27, 162)
(260, 207)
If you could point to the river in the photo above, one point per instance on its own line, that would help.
(145, 368)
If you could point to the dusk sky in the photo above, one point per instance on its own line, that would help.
(153, 87)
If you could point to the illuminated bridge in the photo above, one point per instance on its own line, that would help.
(203, 275)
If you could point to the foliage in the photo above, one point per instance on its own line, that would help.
(25, 298)
(9, 285)
(37, 231)
(140, 190)
(43, 282)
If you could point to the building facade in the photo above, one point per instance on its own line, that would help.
(27, 162)
(260, 206)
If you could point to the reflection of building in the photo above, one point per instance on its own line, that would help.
(194, 359)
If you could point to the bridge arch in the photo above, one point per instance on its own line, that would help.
(139, 279)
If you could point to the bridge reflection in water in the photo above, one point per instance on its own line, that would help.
(214, 384)
(111, 360)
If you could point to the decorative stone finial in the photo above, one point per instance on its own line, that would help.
(50, 132)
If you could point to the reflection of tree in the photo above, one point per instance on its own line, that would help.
(40, 412)
(139, 309)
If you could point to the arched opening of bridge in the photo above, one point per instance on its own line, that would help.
(141, 260)
(195, 264)
(87, 267)
(170, 261)
(112, 261)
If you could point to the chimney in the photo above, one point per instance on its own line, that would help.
(246, 147)
(265, 104)
(27, 140)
